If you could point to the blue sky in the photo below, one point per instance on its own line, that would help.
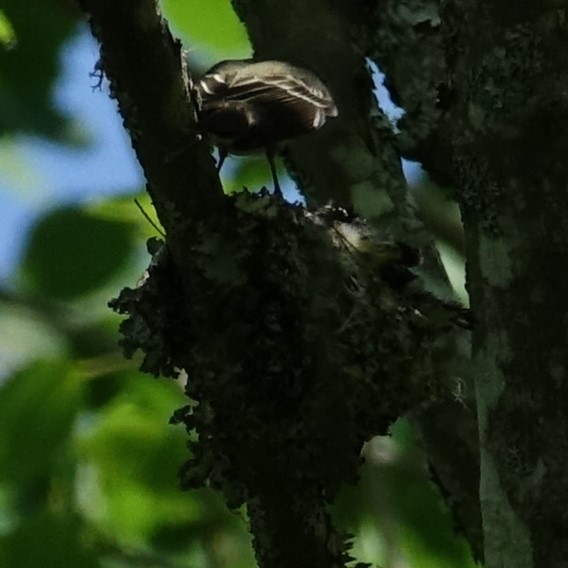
(36, 174)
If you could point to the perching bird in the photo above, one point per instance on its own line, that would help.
(248, 106)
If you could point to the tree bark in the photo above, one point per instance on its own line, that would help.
(511, 134)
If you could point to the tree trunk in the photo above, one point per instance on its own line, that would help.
(510, 82)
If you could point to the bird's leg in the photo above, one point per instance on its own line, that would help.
(222, 156)
(270, 157)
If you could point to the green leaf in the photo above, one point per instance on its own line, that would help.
(18, 176)
(38, 407)
(396, 507)
(136, 455)
(211, 23)
(71, 253)
(25, 337)
(29, 70)
(7, 33)
(252, 172)
(47, 540)
(132, 433)
(141, 215)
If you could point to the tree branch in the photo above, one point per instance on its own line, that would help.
(148, 78)
(404, 38)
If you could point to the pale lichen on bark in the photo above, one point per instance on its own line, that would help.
(511, 133)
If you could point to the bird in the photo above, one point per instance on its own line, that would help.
(247, 106)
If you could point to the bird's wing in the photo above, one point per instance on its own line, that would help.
(285, 91)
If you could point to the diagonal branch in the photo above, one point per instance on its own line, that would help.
(148, 78)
